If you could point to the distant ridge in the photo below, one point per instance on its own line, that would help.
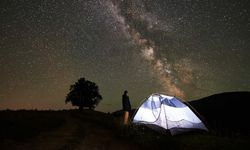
(226, 111)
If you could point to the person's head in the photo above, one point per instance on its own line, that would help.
(125, 92)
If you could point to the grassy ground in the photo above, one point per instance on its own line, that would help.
(21, 125)
(63, 130)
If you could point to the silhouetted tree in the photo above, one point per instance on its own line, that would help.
(84, 93)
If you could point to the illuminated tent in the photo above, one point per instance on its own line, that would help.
(167, 112)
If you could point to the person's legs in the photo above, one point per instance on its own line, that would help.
(125, 118)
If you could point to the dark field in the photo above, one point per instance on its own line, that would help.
(20, 125)
(95, 130)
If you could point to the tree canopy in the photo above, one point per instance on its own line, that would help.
(84, 93)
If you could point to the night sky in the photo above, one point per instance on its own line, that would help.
(187, 48)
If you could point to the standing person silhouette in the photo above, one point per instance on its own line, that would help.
(126, 107)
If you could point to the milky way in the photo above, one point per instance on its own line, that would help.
(189, 49)
(147, 49)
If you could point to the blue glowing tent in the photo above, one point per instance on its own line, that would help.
(167, 112)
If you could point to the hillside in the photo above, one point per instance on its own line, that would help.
(59, 130)
(225, 111)
(74, 130)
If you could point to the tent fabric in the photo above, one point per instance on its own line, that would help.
(169, 113)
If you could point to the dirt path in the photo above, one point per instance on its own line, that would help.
(75, 134)
(100, 138)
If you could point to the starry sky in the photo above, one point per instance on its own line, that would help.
(187, 48)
